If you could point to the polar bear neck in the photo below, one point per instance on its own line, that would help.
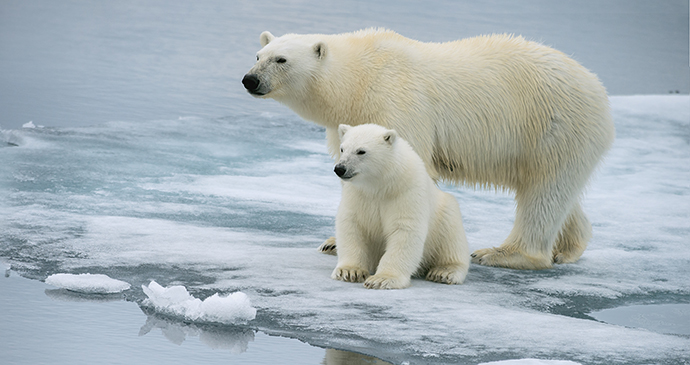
(342, 86)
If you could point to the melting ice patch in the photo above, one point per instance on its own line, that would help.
(87, 283)
(176, 300)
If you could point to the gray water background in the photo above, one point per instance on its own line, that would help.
(75, 63)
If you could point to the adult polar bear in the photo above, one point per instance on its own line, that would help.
(490, 111)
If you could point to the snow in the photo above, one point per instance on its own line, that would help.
(530, 362)
(240, 204)
(87, 283)
(176, 300)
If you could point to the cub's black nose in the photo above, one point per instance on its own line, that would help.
(250, 82)
(340, 170)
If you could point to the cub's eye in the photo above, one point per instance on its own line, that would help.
(257, 57)
(361, 152)
(341, 150)
(281, 60)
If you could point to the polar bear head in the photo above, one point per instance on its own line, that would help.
(367, 152)
(285, 65)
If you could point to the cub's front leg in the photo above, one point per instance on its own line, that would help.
(353, 256)
(404, 250)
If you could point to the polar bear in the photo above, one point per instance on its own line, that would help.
(392, 219)
(492, 111)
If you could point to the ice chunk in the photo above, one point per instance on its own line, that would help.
(88, 283)
(175, 300)
(29, 125)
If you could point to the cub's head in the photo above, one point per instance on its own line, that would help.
(366, 152)
(285, 65)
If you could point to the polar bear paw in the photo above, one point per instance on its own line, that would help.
(447, 274)
(387, 282)
(510, 258)
(328, 247)
(350, 274)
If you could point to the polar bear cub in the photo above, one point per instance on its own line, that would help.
(392, 219)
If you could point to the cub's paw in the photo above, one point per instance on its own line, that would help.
(350, 274)
(510, 258)
(387, 282)
(328, 247)
(452, 274)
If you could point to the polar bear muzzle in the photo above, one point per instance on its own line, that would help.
(252, 83)
(342, 172)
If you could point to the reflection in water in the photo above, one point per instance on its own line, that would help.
(232, 338)
(339, 357)
(235, 339)
(65, 295)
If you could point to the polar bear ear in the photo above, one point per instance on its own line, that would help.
(266, 38)
(342, 129)
(320, 50)
(390, 136)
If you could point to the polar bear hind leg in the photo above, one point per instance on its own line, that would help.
(541, 213)
(447, 256)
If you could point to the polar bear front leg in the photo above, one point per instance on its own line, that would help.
(401, 259)
(352, 274)
(328, 247)
(353, 256)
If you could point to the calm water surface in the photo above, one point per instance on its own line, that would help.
(45, 325)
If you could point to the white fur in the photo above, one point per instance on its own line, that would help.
(490, 111)
(392, 219)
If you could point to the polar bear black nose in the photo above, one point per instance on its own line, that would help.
(250, 82)
(340, 170)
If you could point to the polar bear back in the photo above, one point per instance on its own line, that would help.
(488, 97)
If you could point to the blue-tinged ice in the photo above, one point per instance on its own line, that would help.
(88, 283)
(175, 300)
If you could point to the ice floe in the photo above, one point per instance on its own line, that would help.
(175, 300)
(87, 283)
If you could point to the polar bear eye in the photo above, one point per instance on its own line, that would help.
(281, 60)
(361, 152)
(257, 57)
(341, 150)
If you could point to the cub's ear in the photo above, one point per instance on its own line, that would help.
(342, 129)
(320, 49)
(266, 38)
(390, 136)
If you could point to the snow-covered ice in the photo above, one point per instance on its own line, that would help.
(241, 203)
(530, 362)
(175, 300)
(88, 283)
